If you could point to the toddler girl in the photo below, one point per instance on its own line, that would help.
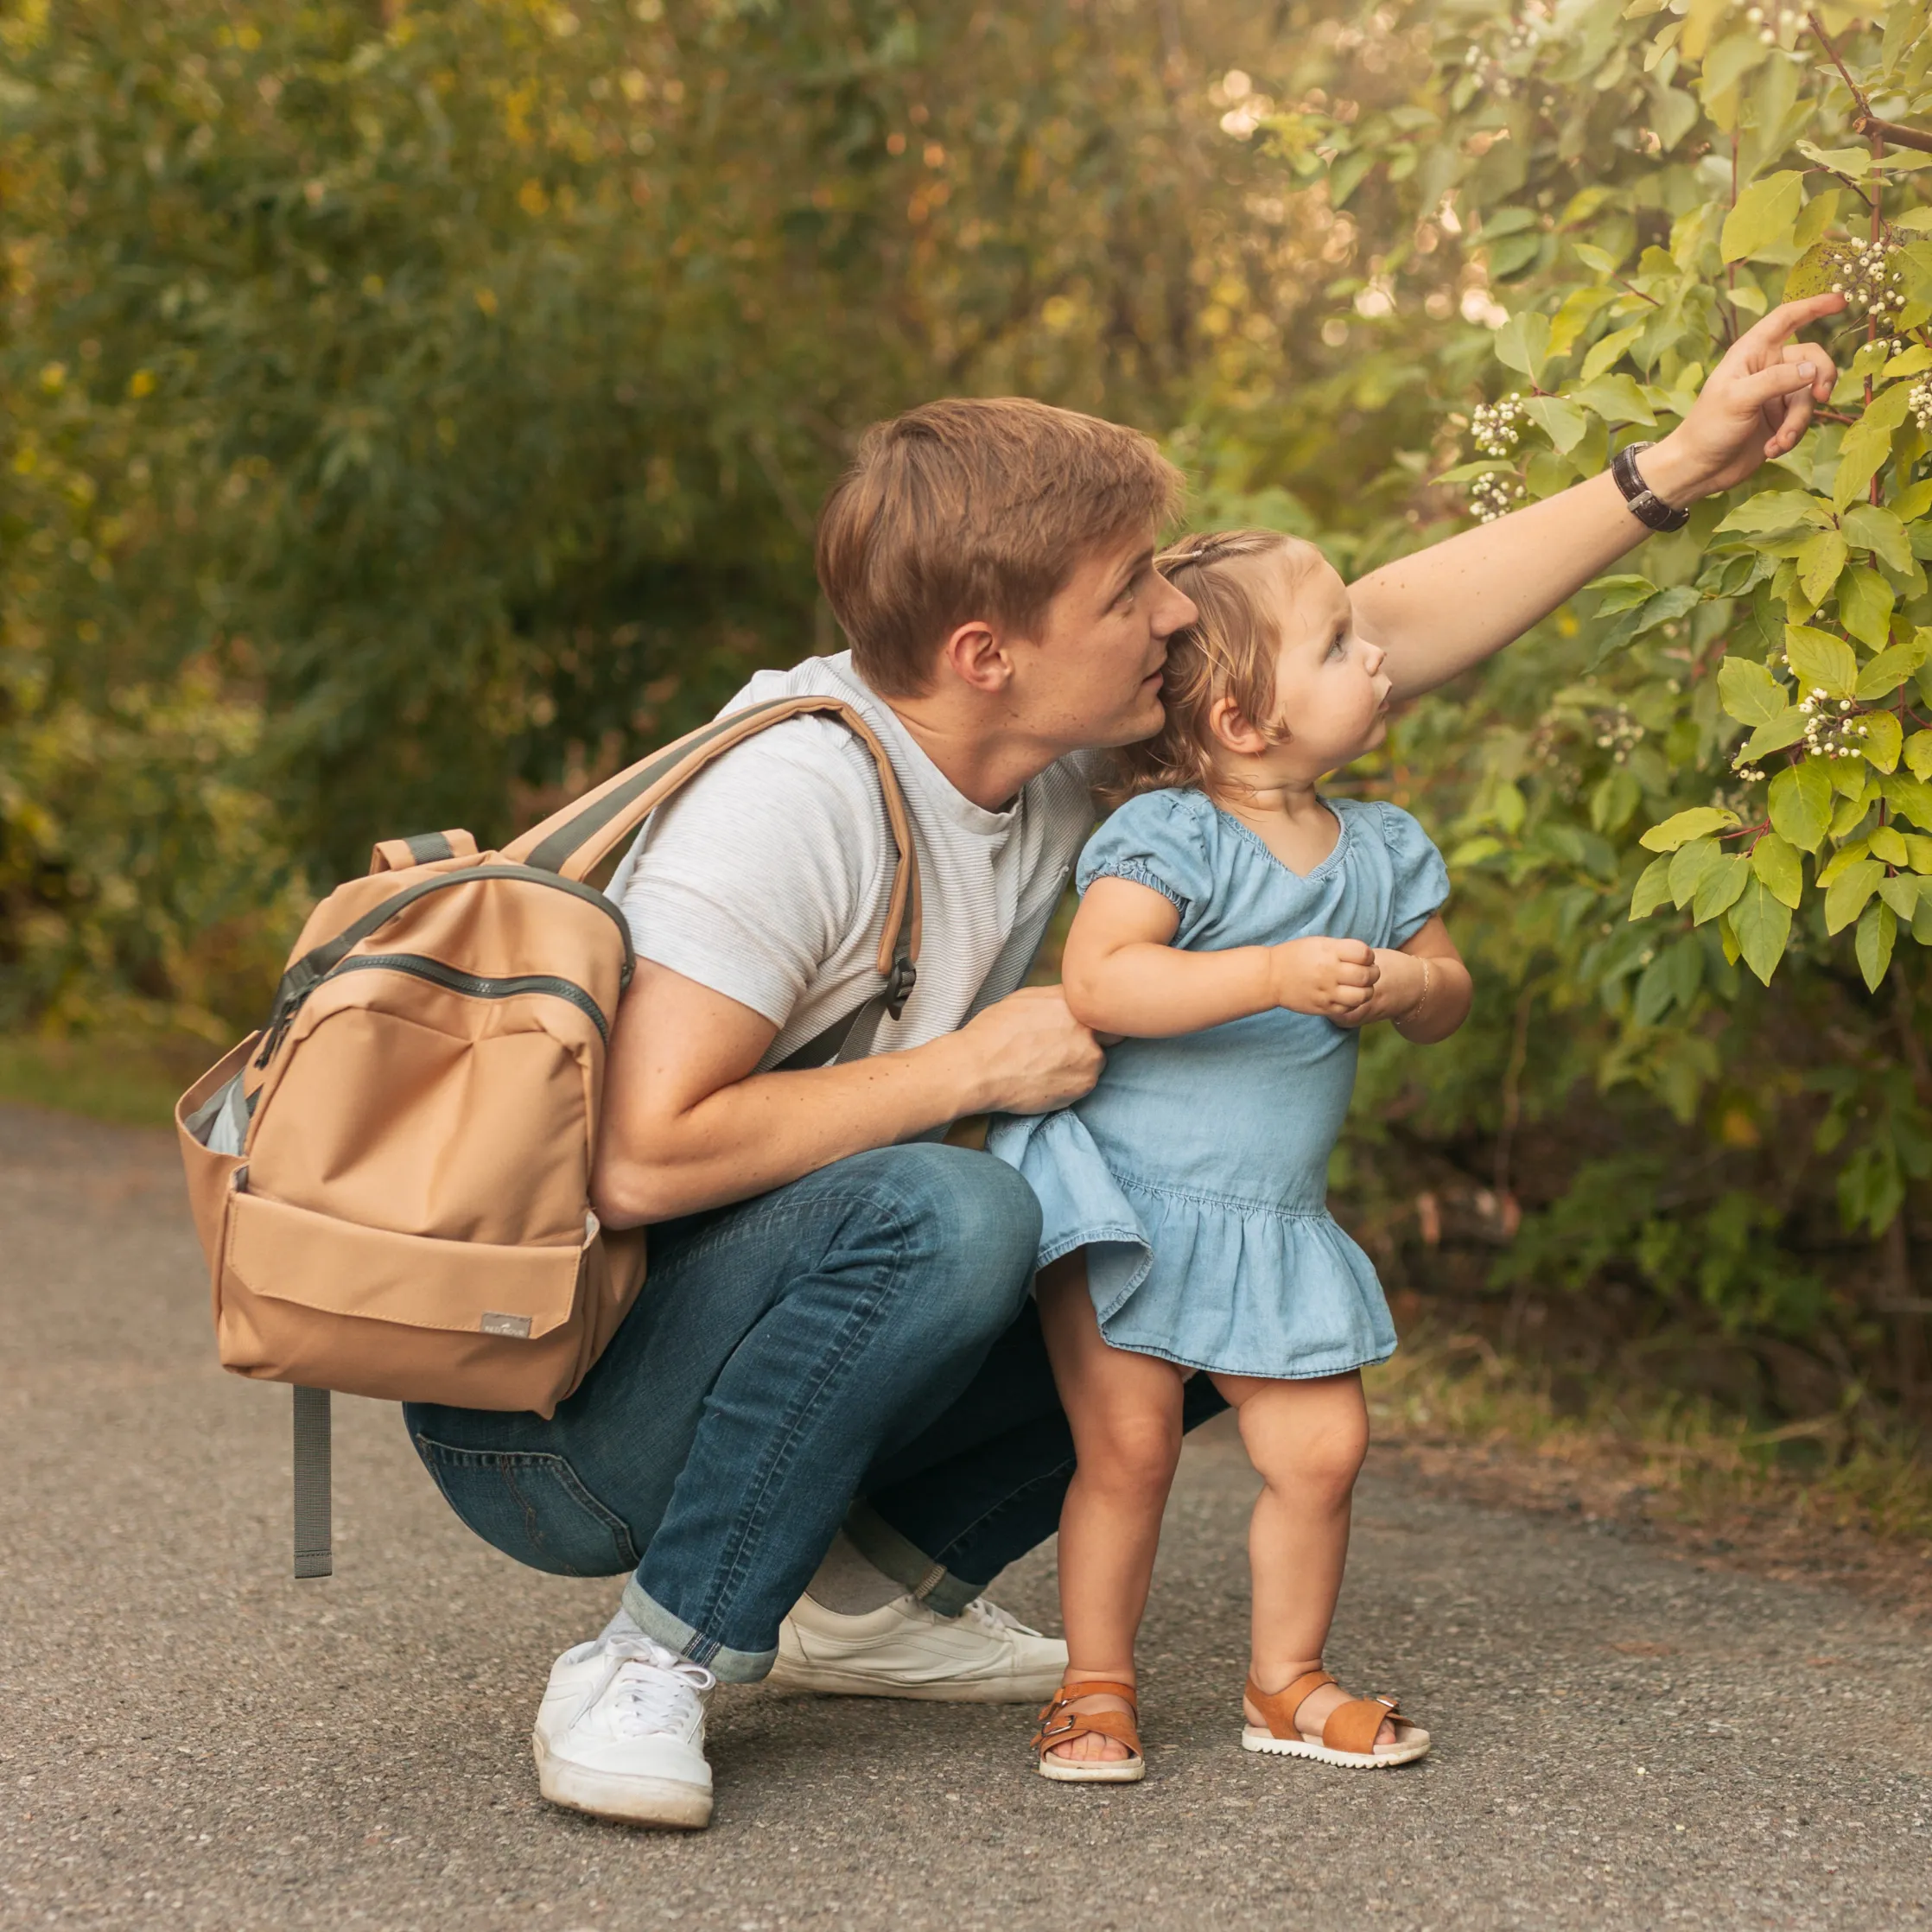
(1238, 929)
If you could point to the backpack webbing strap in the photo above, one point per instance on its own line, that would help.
(313, 1555)
(573, 841)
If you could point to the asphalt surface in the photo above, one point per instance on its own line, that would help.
(193, 1740)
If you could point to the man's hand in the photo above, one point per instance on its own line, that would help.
(1333, 979)
(1753, 407)
(1028, 1053)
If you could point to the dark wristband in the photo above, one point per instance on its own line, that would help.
(1645, 504)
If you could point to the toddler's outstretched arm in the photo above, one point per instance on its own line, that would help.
(1121, 975)
(1427, 1002)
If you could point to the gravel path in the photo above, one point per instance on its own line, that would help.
(192, 1739)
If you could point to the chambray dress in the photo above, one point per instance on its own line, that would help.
(1196, 1172)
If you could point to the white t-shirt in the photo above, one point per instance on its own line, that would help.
(768, 878)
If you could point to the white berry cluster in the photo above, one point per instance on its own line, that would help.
(1774, 24)
(1493, 496)
(1868, 278)
(1496, 427)
(1831, 730)
(1618, 733)
(1920, 401)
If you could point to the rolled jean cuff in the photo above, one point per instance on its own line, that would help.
(728, 1665)
(932, 1584)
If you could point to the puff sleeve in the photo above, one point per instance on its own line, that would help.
(1157, 839)
(1420, 879)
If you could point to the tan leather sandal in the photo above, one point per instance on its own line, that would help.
(1349, 1736)
(1059, 1725)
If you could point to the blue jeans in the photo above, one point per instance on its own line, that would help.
(866, 1332)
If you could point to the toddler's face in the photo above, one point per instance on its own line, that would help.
(1331, 691)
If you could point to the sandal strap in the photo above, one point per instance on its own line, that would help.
(1352, 1726)
(1278, 1707)
(1097, 1687)
(1120, 1726)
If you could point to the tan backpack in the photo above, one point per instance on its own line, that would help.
(391, 1178)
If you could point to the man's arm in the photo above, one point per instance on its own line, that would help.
(689, 1124)
(1449, 606)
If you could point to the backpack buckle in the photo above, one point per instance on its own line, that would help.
(899, 983)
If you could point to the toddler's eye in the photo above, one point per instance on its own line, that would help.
(1339, 647)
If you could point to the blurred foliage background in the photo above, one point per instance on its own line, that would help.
(412, 411)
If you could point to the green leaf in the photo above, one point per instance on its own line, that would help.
(1776, 862)
(1814, 272)
(1914, 362)
(1869, 526)
(1846, 897)
(1854, 162)
(1890, 668)
(1763, 925)
(1605, 355)
(1766, 212)
(1786, 728)
(1801, 804)
(1682, 827)
(1819, 564)
(1868, 443)
(1776, 510)
(1688, 867)
(1820, 661)
(1887, 843)
(1880, 733)
(1877, 931)
(1918, 753)
(1905, 895)
(1562, 421)
(1652, 889)
(1615, 399)
(1622, 592)
(1718, 886)
(1865, 605)
(1749, 693)
(1913, 797)
(1919, 851)
(1522, 344)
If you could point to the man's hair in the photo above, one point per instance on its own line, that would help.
(968, 509)
(1229, 650)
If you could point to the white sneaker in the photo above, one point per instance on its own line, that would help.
(621, 1733)
(903, 1649)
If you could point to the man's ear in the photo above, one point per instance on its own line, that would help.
(1228, 723)
(976, 654)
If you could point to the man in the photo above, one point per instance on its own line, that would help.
(838, 1303)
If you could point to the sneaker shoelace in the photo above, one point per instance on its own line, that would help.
(655, 1690)
(990, 1617)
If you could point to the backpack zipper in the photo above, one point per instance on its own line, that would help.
(476, 986)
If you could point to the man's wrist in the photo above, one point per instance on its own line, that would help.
(1673, 474)
(963, 1079)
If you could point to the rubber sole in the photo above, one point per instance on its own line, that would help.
(1060, 1770)
(665, 1803)
(815, 1680)
(1253, 1738)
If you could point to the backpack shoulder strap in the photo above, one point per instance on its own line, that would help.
(571, 842)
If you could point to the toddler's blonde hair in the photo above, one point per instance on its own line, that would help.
(1227, 652)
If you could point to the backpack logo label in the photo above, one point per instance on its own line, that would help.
(493, 1323)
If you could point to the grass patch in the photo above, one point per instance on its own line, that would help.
(1661, 1456)
(132, 1081)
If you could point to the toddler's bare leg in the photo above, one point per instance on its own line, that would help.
(1306, 1440)
(1125, 1413)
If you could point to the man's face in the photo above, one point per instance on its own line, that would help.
(1092, 677)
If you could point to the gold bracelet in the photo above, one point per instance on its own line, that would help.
(1422, 999)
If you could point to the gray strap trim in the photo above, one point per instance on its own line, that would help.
(426, 848)
(313, 1555)
(551, 855)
